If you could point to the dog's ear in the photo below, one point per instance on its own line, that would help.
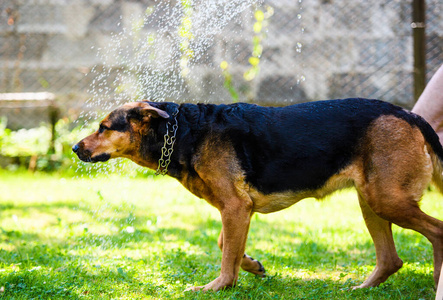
(142, 111)
(148, 110)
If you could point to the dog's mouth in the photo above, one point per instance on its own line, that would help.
(86, 156)
(102, 157)
(98, 158)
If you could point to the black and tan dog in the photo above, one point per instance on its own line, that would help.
(244, 158)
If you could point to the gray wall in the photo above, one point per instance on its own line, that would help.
(313, 49)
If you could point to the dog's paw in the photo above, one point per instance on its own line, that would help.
(253, 266)
(261, 271)
(218, 284)
(194, 288)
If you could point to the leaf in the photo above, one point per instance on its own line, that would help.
(259, 15)
(121, 272)
(254, 61)
(257, 27)
(224, 65)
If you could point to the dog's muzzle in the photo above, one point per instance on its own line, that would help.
(85, 155)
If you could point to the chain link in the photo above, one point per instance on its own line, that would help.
(168, 146)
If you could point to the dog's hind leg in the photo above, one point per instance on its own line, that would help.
(405, 212)
(387, 260)
(398, 165)
(412, 217)
(248, 263)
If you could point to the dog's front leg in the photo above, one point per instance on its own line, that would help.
(248, 263)
(236, 216)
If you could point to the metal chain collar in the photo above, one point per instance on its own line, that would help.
(168, 146)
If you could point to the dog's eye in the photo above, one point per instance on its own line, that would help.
(102, 128)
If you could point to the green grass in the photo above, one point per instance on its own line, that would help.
(115, 237)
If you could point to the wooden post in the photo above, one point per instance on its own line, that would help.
(419, 37)
(53, 118)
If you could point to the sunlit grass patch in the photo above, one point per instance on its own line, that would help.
(115, 237)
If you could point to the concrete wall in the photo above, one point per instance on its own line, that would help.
(313, 49)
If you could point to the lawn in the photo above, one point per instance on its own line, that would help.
(121, 237)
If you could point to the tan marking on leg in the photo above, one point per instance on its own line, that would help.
(220, 181)
(248, 263)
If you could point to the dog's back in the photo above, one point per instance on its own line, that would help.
(299, 147)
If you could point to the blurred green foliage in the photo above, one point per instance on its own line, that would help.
(31, 149)
(19, 148)
(261, 22)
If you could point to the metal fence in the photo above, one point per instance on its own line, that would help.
(269, 51)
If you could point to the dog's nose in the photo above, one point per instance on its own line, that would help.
(75, 148)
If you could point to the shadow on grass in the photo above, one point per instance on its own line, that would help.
(66, 275)
(288, 287)
(73, 280)
(306, 247)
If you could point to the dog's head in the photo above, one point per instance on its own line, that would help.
(120, 133)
